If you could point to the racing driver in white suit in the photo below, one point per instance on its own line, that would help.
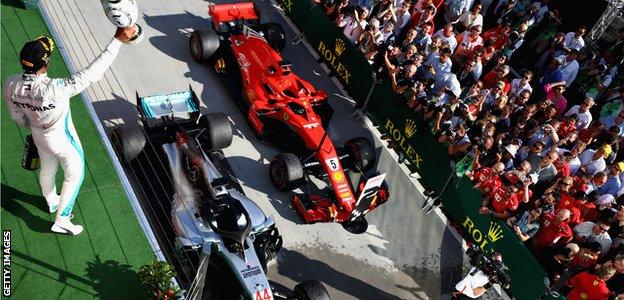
(42, 103)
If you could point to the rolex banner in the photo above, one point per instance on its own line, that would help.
(413, 139)
(345, 62)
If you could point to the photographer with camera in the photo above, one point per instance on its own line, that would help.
(487, 269)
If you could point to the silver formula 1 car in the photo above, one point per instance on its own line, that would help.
(218, 229)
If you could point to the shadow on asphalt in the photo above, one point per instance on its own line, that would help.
(279, 200)
(328, 275)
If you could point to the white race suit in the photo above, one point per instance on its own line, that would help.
(42, 103)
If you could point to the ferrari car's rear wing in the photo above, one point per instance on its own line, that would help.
(232, 12)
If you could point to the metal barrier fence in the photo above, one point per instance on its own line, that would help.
(425, 155)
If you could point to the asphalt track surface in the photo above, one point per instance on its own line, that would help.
(405, 254)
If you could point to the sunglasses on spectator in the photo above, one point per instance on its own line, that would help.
(567, 183)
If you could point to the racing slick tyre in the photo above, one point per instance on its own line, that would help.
(218, 130)
(310, 290)
(275, 35)
(361, 154)
(286, 172)
(203, 44)
(357, 226)
(128, 140)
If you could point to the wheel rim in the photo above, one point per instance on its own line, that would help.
(195, 47)
(277, 176)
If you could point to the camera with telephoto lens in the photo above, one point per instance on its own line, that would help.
(494, 269)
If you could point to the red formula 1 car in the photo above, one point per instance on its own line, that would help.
(288, 111)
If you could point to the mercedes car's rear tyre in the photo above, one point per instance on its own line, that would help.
(128, 140)
(310, 290)
(218, 130)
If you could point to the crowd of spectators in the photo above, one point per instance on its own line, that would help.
(536, 112)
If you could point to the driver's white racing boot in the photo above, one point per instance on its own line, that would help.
(64, 225)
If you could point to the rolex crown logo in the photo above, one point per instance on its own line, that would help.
(340, 47)
(495, 232)
(410, 128)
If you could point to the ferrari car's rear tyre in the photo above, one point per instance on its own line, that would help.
(203, 44)
(218, 130)
(275, 35)
(128, 140)
(310, 290)
(286, 172)
(361, 154)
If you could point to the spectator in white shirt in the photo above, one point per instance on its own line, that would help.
(594, 232)
(448, 36)
(521, 84)
(592, 161)
(472, 17)
(584, 116)
(453, 9)
(441, 63)
(570, 66)
(387, 34)
(354, 24)
(468, 41)
(574, 40)
(401, 16)
(423, 38)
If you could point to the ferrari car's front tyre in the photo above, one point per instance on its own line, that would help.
(357, 226)
(361, 154)
(218, 130)
(203, 44)
(128, 141)
(275, 36)
(310, 290)
(286, 172)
